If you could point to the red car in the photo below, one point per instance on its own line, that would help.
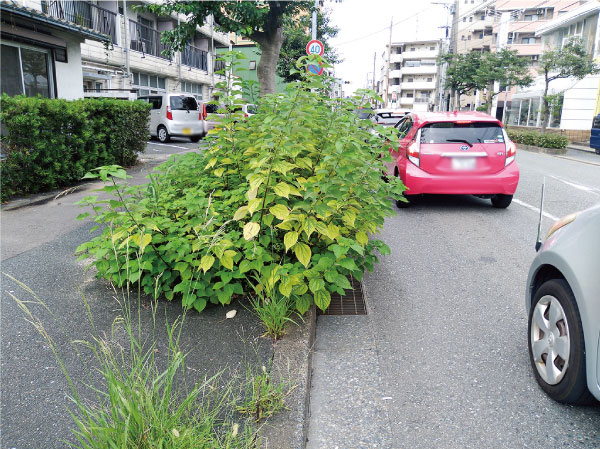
(458, 153)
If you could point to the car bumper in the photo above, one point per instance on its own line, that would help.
(186, 129)
(419, 182)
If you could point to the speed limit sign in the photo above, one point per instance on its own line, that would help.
(315, 47)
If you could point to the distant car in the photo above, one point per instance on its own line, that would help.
(388, 117)
(458, 153)
(563, 306)
(175, 115)
(214, 116)
(595, 134)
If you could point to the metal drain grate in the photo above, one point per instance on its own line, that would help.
(351, 303)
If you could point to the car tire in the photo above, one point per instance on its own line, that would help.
(555, 331)
(195, 139)
(163, 134)
(597, 150)
(501, 201)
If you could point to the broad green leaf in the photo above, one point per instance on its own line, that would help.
(219, 172)
(322, 299)
(240, 213)
(199, 304)
(303, 303)
(251, 194)
(290, 239)
(333, 231)
(282, 189)
(227, 259)
(245, 265)
(300, 289)
(254, 204)
(256, 181)
(146, 239)
(285, 289)
(207, 262)
(280, 211)
(309, 226)
(251, 230)
(362, 238)
(303, 253)
(349, 218)
(211, 163)
(316, 284)
(347, 263)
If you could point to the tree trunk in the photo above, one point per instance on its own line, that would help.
(488, 99)
(270, 46)
(546, 105)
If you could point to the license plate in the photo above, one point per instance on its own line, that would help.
(463, 163)
(187, 131)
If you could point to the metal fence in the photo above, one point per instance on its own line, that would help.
(85, 14)
(146, 40)
(218, 65)
(194, 57)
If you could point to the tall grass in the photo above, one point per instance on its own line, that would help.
(136, 403)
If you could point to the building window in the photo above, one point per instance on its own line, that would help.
(471, 19)
(531, 17)
(464, 19)
(469, 37)
(412, 49)
(409, 80)
(192, 88)
(148, 84)
(409, 95)
(483, 17)
(432, 48)
(528, 40)
(429, 80)
(26, 71)
(252, 65)
(480, 35)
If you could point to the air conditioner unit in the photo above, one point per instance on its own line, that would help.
(540, 11)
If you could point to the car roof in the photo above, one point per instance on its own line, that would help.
(454, 116)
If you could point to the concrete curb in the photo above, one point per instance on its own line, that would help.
(292, 363)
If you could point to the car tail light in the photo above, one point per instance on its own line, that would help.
(245, 114)
(169, 113)
(204, 113)
(511, 151)
(414, 149)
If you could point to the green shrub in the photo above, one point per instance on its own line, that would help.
(288, 196)
(51, 143)
(538, 139)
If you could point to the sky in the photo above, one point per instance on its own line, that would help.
(365, 30)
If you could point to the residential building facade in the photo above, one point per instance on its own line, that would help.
(132, 60)
(577, 99)
(410, 75)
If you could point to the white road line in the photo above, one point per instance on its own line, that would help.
(536, 209)
(577, 186)
(170, 146)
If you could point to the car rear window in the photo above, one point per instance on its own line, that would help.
(183, 104)
(451, 132)
(212, 108)
(252, 109)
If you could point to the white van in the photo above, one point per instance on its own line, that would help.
(177, 115)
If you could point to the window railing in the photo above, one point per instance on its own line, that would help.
(146, 40)
(218, 65)
(194, 57)
(85, 14)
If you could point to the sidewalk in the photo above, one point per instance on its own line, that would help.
(581, 147)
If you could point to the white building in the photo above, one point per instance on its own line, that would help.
(122, 54)
(410, 78)
(579, 97)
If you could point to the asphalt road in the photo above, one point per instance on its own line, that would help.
(444, 347)
(38, 243)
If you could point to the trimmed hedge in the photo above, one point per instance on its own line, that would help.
(538, 139)
(51, 143)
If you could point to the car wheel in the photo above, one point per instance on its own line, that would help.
(556, 344)
(597, 150)
(501, 201)
(163, 134)
(195, 138)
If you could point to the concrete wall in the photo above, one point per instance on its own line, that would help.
(579, 104)
(69, 75)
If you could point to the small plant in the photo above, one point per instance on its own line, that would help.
(262, 396)
(271, 307)
(543, 140)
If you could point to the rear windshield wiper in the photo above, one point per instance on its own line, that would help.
(460, 140)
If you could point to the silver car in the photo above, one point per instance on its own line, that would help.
(177, 115)
(563, 306)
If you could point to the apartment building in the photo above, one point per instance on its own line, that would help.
(132, 61)
(578, 99)
(410, 75)
(473, 25)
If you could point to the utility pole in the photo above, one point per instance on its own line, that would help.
(374, 57)
(314, 20)
(444, 48)
(389, 61)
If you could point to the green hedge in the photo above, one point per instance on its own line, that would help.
(538, 139)
(50, 143)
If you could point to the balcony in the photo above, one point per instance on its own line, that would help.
(194, 57)
(421, 70)
(85, 14)
(420, 85)
(146, 40)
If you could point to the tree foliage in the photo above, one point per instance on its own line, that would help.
(478, 71)
(297, 34)
(259, 20)
(570, 61)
